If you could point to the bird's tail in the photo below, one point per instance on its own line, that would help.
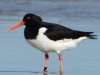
(91, 36)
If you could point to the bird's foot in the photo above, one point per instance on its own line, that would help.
(61, 70)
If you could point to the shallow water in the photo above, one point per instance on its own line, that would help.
(19, 58)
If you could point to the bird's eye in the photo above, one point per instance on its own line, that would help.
(28, 18)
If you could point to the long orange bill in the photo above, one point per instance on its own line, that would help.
(16, 26)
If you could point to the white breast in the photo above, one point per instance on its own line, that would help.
(44, 44)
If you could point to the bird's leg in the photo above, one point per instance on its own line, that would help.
(61, 63)
(46, 62)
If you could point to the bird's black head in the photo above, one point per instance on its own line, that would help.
(32, 19)
(28, 20)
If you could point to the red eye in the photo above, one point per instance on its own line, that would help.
(28, 17)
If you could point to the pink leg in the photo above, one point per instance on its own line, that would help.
(61, 63)
(46, 62)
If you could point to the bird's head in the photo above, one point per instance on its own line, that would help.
(29, 19)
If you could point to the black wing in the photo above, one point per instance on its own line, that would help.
(57, 32)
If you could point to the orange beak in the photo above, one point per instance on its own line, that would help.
(16, 26)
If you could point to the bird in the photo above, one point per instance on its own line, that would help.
(50, 37)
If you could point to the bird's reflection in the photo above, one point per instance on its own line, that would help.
(45, 73)
(60, 73)
(35, 72)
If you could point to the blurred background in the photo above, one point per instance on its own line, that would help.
(19, 58)
(51, 8)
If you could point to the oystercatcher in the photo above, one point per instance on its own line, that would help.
(50, 37)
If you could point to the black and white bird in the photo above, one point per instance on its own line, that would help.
(50, 37)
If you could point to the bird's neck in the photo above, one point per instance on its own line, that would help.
(31, 31)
